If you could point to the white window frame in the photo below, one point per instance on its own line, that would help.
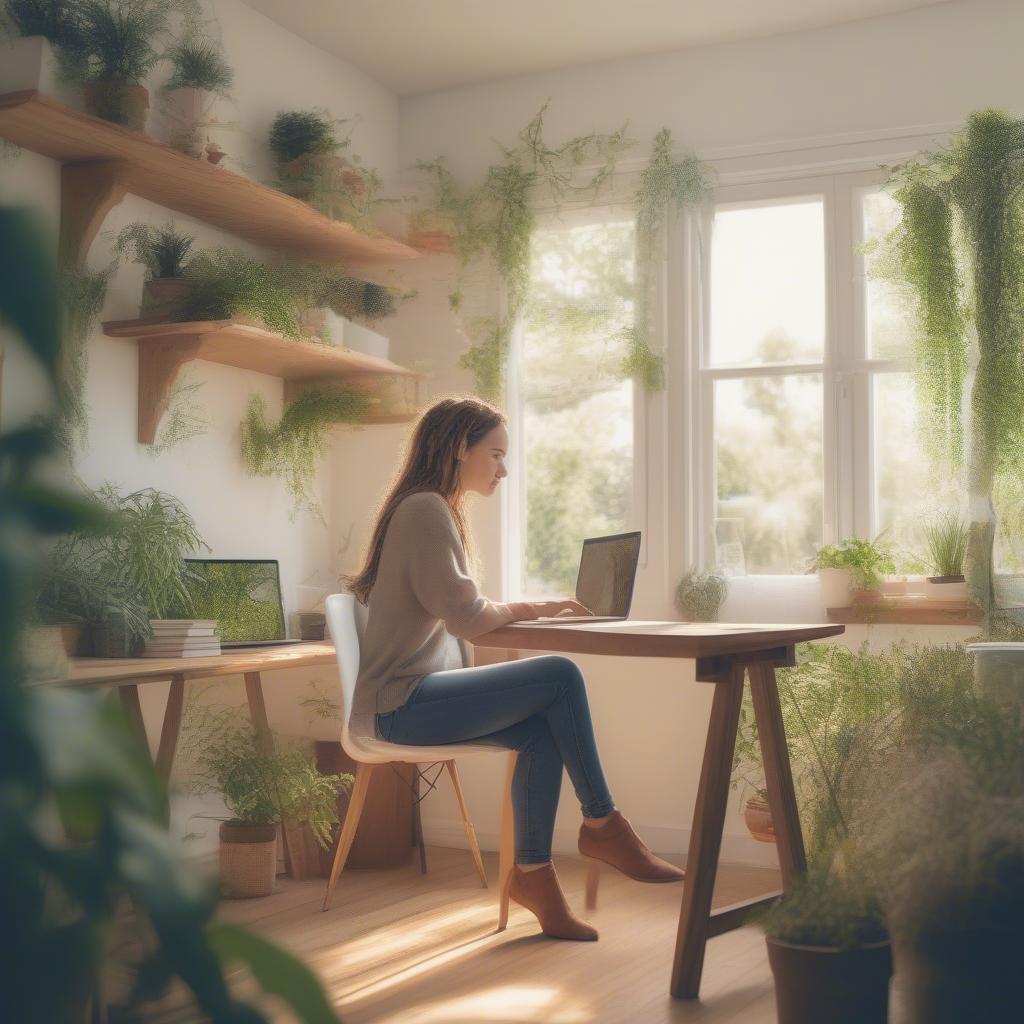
(846, 369)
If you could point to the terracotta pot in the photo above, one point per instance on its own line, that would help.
(73, 636)
(248, 859)
(312, 171)
(758, 818)
(43, 654)
(161, 295)
(353, 182)
(970, 975)
(125, 103)
(815, 984)
(867, 596)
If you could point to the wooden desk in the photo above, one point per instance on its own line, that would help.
(724, 654)
(128, 674)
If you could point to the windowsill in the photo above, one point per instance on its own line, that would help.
(909, 611)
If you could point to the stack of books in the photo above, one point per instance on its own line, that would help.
(182, 638)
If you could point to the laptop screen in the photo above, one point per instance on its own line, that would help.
(607, 571)
(243, 595)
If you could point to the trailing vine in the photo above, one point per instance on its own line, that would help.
(291, 448)
(959, 250)
(667, 186)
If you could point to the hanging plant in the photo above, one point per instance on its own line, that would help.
(292, 448)
(497, 220)
(667, 186)
(959, 250)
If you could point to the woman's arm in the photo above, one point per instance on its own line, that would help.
(526, 610)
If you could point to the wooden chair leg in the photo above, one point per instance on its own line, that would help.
(417, 820)
(507, 850)
(706, 836)
(593, 878)
(364, 772)
(474, 846)
(789, 840)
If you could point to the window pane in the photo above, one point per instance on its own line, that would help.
(768, 284)
(768, 472)
(887, 314)
(577, 413)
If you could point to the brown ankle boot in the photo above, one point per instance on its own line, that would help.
(617, 844)
(540, 893)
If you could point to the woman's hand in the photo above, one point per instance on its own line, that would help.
(554, 608)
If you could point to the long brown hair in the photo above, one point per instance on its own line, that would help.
(430, 464)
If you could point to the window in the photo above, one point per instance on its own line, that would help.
(573, 411)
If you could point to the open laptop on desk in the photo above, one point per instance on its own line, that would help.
(605, 580)
(244, 596)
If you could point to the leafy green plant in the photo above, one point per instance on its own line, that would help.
(226, 283)
(295, 133)
(667, 186)
(699, 595)
(829, 910)
(959, 252)
(68, 755)
(161, 250)
(866, 560)
(946, 538)
(199, 63)
(292, 447)
(134, 569)
(497, 218)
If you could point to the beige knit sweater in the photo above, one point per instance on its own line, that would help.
(423, 593)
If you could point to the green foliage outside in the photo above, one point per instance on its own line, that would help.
(959, 253)
(292, 448)
(68, 756)
(132, 570)
(867, 561)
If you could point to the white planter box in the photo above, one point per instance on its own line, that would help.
(29, 63)
(362, 339)
(945, 591)
(836, 588)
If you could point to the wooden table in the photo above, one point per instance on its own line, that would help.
(128, 674)
(724, 654)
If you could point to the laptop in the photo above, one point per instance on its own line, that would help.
(243, 595)
(605, 580)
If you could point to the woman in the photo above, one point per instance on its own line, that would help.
(419, 590)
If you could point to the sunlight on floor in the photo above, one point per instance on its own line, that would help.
(508, 1003)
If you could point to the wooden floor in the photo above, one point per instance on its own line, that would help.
(399, 947)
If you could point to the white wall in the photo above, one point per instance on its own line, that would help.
(238, 516)
(835, 98)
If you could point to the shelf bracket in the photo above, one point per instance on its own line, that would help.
(160, 362)
(88, 192)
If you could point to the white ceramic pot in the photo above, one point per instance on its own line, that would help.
(189, 112)
(938, 589)
(836, 588)
(29, 63)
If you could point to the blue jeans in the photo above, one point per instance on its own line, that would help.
(537, 706)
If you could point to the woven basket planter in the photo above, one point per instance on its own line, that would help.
(248, 859)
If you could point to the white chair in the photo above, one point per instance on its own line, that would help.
(345, 617)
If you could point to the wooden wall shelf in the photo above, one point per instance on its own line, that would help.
(104, 161)
(164, 348)
(909, 611)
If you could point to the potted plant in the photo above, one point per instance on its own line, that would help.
(43, 47)
(262, 789)
(947, 548)
(829, 951)
(851, 571)
(122, 40)
(118, 580)
(699, 595)
(163, 252)
(306, 149)
(200, 76)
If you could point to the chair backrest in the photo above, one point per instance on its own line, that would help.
(345, 617)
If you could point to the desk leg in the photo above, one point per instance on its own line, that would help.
(171, 727)
(129, 697)
(789, 838)
(294, 856)
(706, 836)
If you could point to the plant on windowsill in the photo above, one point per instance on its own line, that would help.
(200, 77)
(852, 571)
(43, 46)
(946, 538)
